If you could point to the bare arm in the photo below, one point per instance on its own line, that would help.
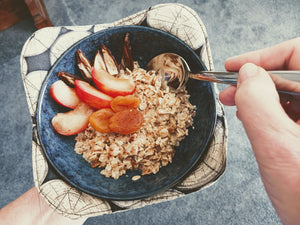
(31, 208)
(273, 132)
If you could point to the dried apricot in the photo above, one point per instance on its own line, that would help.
(121, 103)
(99, 120)
(126, 122)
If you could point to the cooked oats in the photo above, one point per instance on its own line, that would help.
(137, 177)
(167, 114)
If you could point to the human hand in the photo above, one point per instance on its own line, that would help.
(284, 56)
(270, 122)
(30, 208)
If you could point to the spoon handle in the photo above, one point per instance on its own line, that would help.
(231, 77)
(216, 76)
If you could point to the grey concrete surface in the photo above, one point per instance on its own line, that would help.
(234, 27)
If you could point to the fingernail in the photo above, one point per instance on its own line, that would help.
(248, 70)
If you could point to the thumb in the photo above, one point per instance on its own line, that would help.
(258, 105)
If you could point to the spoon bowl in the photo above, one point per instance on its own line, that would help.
(172, 67)
(176, 71)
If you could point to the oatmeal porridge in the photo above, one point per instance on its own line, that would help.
(167, 117)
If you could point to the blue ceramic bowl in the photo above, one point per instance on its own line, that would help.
(59, 150)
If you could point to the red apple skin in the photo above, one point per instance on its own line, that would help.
(91, 95)
(63, 94)
(74, 121)
(111, 85)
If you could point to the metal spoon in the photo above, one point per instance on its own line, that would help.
(177, 72)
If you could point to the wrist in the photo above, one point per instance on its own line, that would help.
(279, 163)
(31, 208)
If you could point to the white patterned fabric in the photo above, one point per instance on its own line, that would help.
(50, 43)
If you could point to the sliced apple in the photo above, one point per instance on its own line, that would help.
(127, 60)
(63, 94)
(99, 61)
(111, 85)
(68, 78)
(74, 121)
(84, 65)
(91, 95)
(111, 64)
